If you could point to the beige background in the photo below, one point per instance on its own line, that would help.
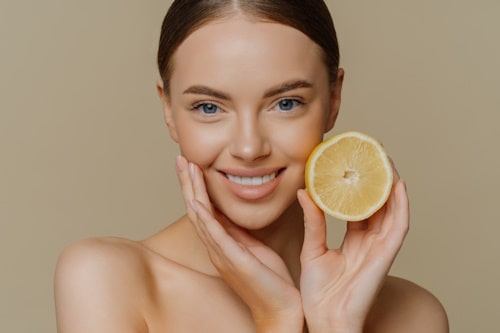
(84, 152)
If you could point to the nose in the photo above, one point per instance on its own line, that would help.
(250, 139)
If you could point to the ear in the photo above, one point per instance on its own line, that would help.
(167, 111)
(335, 99)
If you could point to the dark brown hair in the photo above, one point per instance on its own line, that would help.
(311, 17)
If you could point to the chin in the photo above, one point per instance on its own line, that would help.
(255, 216)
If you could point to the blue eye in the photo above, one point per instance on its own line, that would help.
(206, 108)
(288, 104)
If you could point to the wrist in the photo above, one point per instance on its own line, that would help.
(333, 330)
(281, 328)
(322, 326)
(286, 318)
(283, 324)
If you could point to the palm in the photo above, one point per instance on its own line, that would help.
(254, 271)
(344, 281)
(257, 274)
(351, 271)
(258, 250)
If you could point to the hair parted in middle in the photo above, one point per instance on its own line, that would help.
(311, 17)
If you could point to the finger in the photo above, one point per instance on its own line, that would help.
(205, 233)
(199, 227)
(223, 249)
(199, 187)
(194, 185)
(357, 226)
(186, 186)
(396, 224)
(356, 231)
(395, 172)
(258, 249)
(314, 228)
(374, 223)
(399, 206)
(254, 281)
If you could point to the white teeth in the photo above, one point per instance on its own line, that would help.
(251, 180)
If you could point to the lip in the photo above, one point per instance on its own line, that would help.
(252, 192)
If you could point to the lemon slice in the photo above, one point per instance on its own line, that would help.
(349, 176)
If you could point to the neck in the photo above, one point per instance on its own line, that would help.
(285, 237)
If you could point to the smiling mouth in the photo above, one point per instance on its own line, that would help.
(253, 181)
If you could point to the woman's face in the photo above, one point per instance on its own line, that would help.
(248, 102)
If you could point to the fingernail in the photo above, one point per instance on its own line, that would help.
(193, 205)
(191, 169)
(178, 163)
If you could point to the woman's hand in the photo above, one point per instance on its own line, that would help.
(339, 286)
(255, 272)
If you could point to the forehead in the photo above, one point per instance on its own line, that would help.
(236, 50)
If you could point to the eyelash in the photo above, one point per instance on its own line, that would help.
(297, 102)
(197, 107)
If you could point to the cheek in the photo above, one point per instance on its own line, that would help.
(298, 140)
(200, 144)
(307, 143)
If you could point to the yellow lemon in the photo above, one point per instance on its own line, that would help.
(349, 176)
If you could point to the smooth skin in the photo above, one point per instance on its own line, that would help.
(247, 99)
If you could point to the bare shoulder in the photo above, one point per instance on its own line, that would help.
(103, 258)
(99, 285)
(403, 306)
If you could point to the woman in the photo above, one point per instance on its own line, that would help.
(248, 89)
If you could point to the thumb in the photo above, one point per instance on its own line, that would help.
(314, 228)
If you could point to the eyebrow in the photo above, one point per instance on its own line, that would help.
(204, 90)
(287, 86)
(282, 88)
